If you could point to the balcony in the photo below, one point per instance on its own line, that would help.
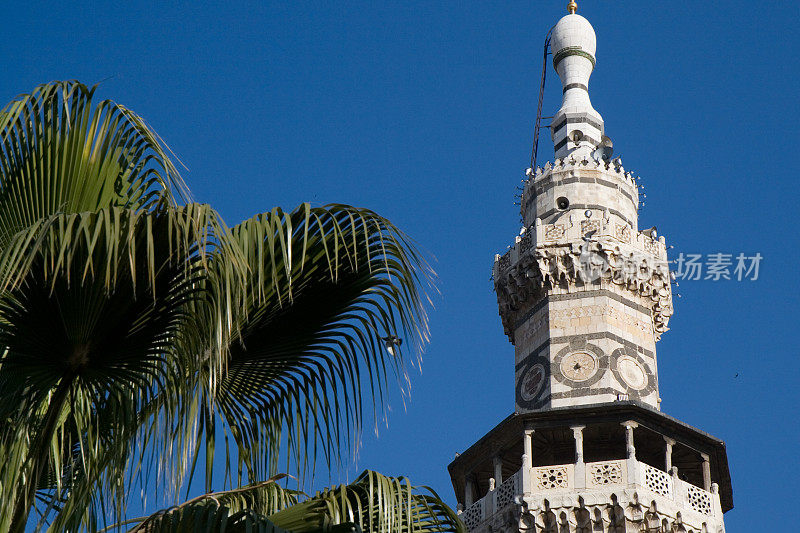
(596, 482)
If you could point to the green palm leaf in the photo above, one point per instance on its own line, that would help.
(373, 502)
(324, 286)
(87, 194)
(241, 509)
(134, 330)
(92, 320)
(61, 154)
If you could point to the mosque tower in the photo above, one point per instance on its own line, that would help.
(584, 295)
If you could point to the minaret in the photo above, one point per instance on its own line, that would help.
(584, 296)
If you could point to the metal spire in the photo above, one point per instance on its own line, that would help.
(572, 7)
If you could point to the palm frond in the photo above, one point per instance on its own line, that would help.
(91, 320)
(134, 330)
(373, 502)
(324, 287)
(240, 509)
(209, 517)
(59, 153)
(70, 170)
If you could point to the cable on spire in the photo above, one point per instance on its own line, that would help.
(538, 125)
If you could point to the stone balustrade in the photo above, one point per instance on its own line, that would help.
(562, 481)
(495, 501)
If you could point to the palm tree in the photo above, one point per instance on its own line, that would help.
(136, 328)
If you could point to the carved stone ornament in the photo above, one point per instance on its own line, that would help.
(623, 232)
(579, 366)
(609, 516)
(540, 269)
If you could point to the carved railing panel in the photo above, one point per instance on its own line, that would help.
(551, 477)
(507, 491)
(657, 481)
(699, 499)
(473, 515)
(605, 473)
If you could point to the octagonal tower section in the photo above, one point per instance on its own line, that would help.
(583, 294)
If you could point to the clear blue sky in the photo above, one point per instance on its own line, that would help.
(423, 111)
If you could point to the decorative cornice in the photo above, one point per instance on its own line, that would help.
(604, 513)
(572, 162)
(621, 510)
(538, 270)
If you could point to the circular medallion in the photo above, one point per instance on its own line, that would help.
(632, 372)
(579, 366)
(532, 382)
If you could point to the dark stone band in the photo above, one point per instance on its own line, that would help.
(575, 120)
(555, 210)
(572, 51)
(578, 392)
(576, 86)
(565, 140)
(579, 341)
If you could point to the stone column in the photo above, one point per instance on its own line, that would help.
(678, 496)
(580, 465)
(630, 449)
(629, 446)
(706, 471)
(469, 492)
(527, 460)
(528, 445)
(715, 499)
(668, 453)
(498, 469)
